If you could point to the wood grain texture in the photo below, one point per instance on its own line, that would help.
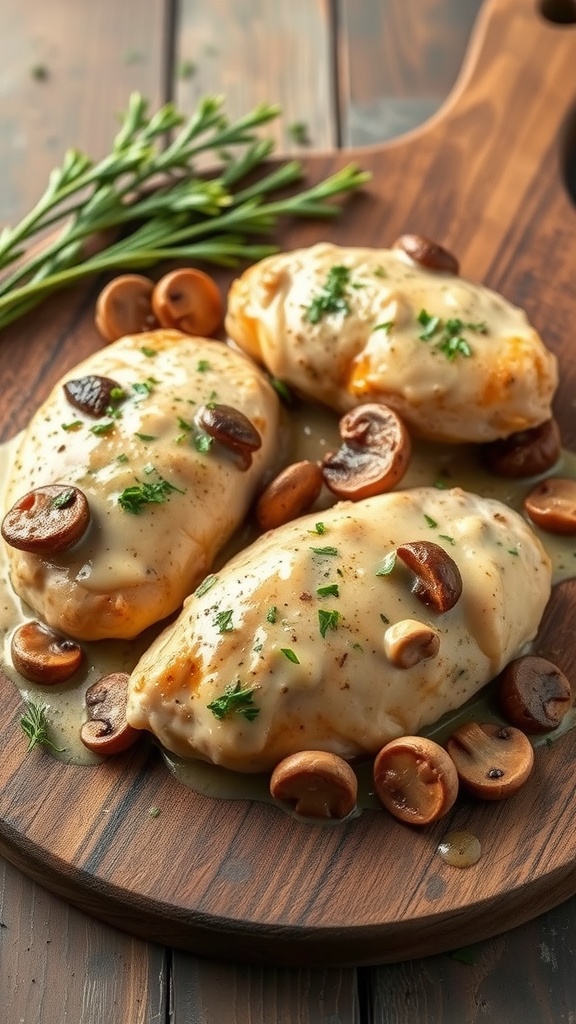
(211, 993)
(245, 881)
(397, 62)
(57, 965)
(526, 974)
(254, 52)
(67, 69)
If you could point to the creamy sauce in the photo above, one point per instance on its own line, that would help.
(308, 432)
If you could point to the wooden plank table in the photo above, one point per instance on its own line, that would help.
(347, 72)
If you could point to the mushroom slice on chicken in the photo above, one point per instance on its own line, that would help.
(345, 326)
(164, 495)
(339, 635)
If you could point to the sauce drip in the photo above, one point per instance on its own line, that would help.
(308, 432)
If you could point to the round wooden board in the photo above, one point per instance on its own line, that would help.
(242, 880)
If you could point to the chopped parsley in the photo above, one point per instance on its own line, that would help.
(331, 552)
(288, 653)
(386, 326)
(122, 457)
(234, 701)
(327, 620)
(74, 425)
(144, 387)
(203, 365)
(206, 585)
(282, 389)
(102, 428)
(63, 500)
(444, 536)
(147, 351)
(331, 297)
(431, 522)
(203, 443)
(385, 619)
(184, 424)
(447, 334)
(132, 499)
(331, 590)
(146, 437)
(387, 564)
(271, 614)
(223, 621)
(319, 528)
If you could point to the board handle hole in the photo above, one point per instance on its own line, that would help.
(560, 12)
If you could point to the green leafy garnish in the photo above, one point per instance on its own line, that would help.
(448, 334)
(385, 619)
(122, 457)
(325, 551)
(282, 389)
(234, 701)
(34, 725)
(203, 443)
(132, 499)
(73, 425)
(288, 653)
(449, 540)
(387, 326)
(146, 437)
(318, 528)
(205, 585)
(185, 217)
(327, 620)
(387, 564)
(203, 365)
(271, 614)
(332, 297)
(431, 522)
(102, 428)
(331, 590)
(147, 351)
(223, 621)
(63, 500)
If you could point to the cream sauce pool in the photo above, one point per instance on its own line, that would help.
(308, 432)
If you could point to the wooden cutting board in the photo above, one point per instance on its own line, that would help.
(489, 177)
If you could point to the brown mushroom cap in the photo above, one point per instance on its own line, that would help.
(189, 300)
(289, 494)
(492, 761)
(409, 642)
(438, 581)
(124, 307)
(232, 429)
(525, 453)
(318, 784)
(415, 779)
(43, 656)
(534, 694)
(107, 731)
(427, 253)
(91, 394)
(552, 505)
(47, 520)
(374, 455)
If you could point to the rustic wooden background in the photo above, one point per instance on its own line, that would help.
(349, 72)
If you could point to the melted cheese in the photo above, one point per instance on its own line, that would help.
(373, 351)
(339, 691)
(130, 570)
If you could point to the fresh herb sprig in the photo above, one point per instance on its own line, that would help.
(235, 701)
(183, 216)
(447, 334)
(34, 725)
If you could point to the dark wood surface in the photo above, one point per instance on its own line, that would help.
(528, 971)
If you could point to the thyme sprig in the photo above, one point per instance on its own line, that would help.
(153, 194)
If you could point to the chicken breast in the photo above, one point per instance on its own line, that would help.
(346, 326)
(294, 645)
(140, 558)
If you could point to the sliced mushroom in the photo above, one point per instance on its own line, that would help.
(289, 494)
(43, 656)
(552, 505)
(428, 254)
(107, 730)
(415, 779)
(47, 520)
(316, 783)
(124, 307)
(526, 453)
(92, 394)
(232, 429)
(374, 454)
(492, 761)
(438, 581)
(534, 694)
(409, 642)
(189, 300)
